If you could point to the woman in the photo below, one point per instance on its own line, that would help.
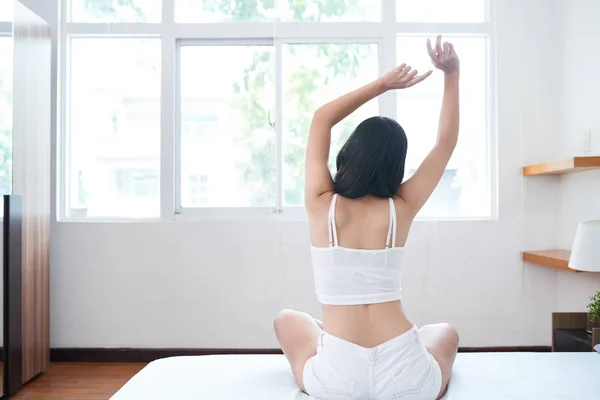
(367, 347)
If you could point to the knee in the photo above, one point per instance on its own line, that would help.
(443, 331)
(451, 333)
(282, 319)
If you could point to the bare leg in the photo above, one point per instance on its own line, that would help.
(298, 335)
(441, 340)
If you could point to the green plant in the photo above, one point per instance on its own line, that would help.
(594, 307)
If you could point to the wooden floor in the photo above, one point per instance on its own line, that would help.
(79, 381)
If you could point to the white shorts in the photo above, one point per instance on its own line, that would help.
(400, 368)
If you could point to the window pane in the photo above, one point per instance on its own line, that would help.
(227, 143)
(115, 10)
(6, 11)
(277, 10)
(314, 74)
(471, 11)
(6, 115)
(114, 117)
(464, 189)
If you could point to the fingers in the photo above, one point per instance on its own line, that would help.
(430, 49)
(446, 50)
(440, 52)
(411, 75)
(438, 45)
(419, 79)
(405, 71)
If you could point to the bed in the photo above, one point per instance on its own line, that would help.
(477, 376)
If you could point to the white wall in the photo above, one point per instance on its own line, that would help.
(218, 284)
(580, 111)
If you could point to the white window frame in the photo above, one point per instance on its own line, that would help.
(173, 35)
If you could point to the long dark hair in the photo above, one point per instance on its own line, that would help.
(371, 162)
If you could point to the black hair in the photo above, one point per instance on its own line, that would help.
(372, 160)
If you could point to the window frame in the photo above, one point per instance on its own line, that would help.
(174, 35)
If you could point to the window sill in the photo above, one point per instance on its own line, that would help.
(295, 214)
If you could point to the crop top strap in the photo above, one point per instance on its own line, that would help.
(333, 239)
(391, 236)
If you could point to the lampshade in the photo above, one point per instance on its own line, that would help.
(586, 248)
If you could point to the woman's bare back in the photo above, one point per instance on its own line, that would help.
(362, 224)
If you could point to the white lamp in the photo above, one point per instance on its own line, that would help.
(586, 248)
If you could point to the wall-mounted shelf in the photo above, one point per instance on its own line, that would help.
(569, 166)
(558, 259)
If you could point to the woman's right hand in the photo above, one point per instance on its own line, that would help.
(443, 56)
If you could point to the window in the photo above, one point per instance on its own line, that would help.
(277, 10)
(6, 12)
(114, 121)
(449, 11)
(202, 108)
(314, 74)
(115, 10)
(197, 195)
(237, 154)
(137, 183)
(464, 190)
(6, 114)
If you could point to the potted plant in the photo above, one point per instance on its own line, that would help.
(594, 312)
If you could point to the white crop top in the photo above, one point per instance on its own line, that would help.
(346, 276)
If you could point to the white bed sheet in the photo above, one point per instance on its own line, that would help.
(476, 376)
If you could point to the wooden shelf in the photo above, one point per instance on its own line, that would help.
(569, 166)
(558, 259)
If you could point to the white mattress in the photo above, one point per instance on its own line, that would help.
(477, 376)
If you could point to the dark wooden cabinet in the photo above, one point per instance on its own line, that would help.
(569, 333)
(572, 340)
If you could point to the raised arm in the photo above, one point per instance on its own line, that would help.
(416, 190)
(318, 177)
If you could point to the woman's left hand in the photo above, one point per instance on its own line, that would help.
(403, 77)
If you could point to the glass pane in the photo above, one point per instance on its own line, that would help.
(114, 97)
(115, 10)
(277, 10)
(6, 114)
(464, 189)
(471, 11)
(314, 74)
(6, 10)
(227, 143)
